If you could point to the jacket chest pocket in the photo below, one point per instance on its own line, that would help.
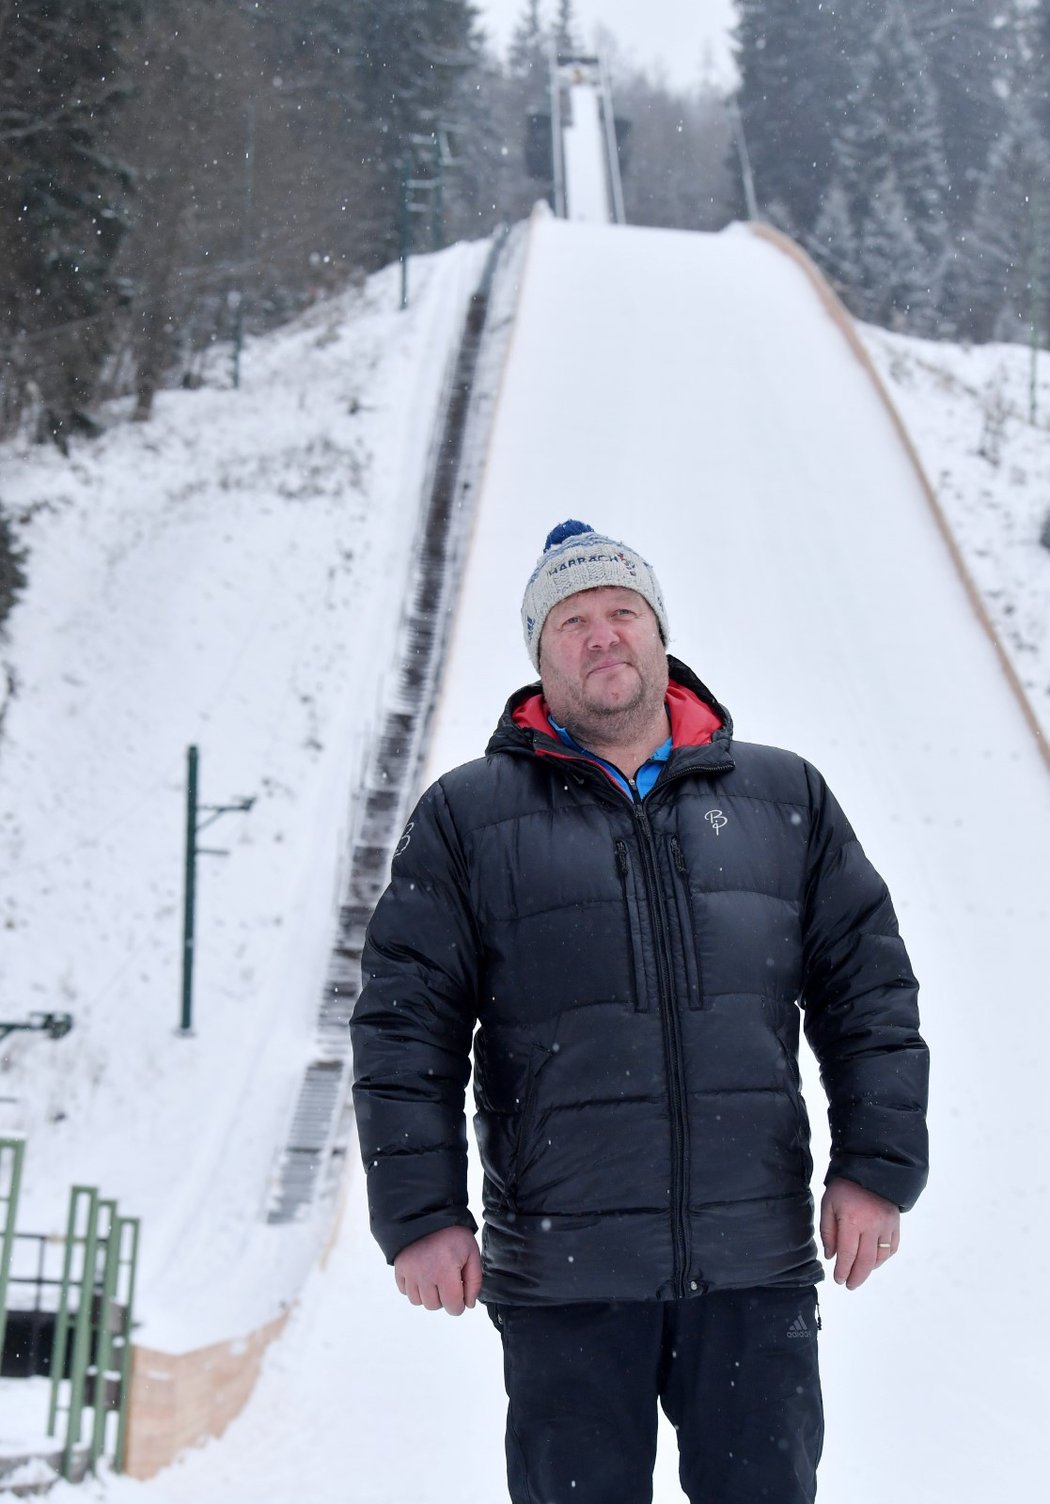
(683, 901)
(633, 900)
(660, 927)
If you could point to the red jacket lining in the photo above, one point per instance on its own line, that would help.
(693, 724)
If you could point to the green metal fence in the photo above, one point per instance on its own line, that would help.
(12, 1153)
(109, 1376)
(91, 1355)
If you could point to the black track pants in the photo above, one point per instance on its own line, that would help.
(736, 1374)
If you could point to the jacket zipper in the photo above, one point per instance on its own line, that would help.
(672, 1047)
(585, 771)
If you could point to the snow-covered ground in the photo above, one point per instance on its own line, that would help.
(230, 574)
(986, 452)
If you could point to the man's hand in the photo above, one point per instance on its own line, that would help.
(859, 1231)
(442, 1270)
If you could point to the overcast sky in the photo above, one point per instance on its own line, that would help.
(672, 34)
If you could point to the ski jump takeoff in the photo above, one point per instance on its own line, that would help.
(628, 913)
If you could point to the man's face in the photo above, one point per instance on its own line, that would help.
(602, 662)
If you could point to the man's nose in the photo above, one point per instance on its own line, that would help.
(602, 634)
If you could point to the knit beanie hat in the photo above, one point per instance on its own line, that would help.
(574, 558)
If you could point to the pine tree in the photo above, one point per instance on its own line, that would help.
(565, 37)
(527, 55)
(410, 58)
(525, 116)
(185, 257)
(896, 289)
(1039, 21)
(892, 139)
(1006, 275)
(60, 192)
(964, 47)
(368, 76)
(833, 243)
(792, 59)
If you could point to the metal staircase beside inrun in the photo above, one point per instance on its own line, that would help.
(310, 1162)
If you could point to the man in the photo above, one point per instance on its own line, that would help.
(630, 907)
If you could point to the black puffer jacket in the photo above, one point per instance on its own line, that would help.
(634, 973)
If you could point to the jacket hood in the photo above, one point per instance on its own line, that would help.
(698, 721)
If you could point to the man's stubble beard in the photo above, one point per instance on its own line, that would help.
(616, 724)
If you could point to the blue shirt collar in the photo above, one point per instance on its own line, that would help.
(646, 775)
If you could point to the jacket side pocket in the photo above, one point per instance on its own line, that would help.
(798, 1101)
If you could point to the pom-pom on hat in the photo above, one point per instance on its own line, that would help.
(574, 558)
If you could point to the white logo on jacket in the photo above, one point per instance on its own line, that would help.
(716, 820)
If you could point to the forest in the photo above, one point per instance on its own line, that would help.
(175, 173)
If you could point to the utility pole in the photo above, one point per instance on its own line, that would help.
(405, 227)
(194, 826)
(1035, 297)
(246, 242)
(747, 177)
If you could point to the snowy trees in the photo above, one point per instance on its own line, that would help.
(61, 190)
(1000, 274)
(1004, 274)
(890, 162)
(897, 270)
(160, 161)
(794, 81)
(516, 102)
(185, 213)
(833, 241)
(1038, 38)
(565, 37)
(884, 133)
(842, 124)
(962, 45)
(528, 44)
(677, 172)
(168, 168)
(408, 57)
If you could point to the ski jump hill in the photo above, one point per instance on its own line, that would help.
(704, 397)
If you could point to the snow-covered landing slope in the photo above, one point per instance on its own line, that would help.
(690, 394)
